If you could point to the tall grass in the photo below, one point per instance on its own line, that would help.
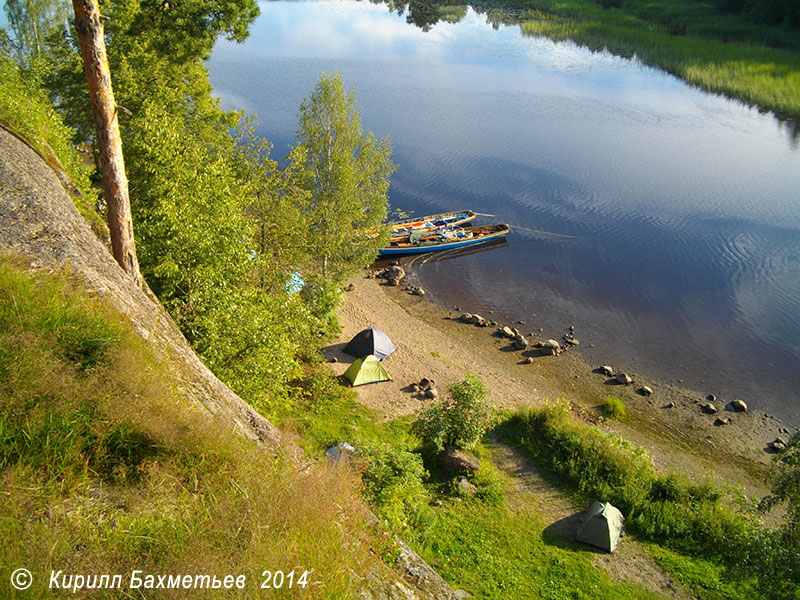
(665, 508)
(106, 466)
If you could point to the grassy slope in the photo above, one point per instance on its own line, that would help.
(106, 467)
(722, 53)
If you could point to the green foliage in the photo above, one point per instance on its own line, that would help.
(460, 419)
(187, 30)
(347, 174)
(667, 509)
(614, 408)
(786, 488)
(393, 480)
(323, 297)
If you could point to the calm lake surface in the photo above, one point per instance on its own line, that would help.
(661, 221)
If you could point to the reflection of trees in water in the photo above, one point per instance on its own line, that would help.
(426, 13)
(419, 12)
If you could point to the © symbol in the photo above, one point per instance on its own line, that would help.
(21, 579)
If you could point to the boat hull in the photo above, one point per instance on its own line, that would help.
(451, 245)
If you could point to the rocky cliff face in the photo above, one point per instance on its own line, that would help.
(39, 223)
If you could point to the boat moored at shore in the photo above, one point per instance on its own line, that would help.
(446, 239)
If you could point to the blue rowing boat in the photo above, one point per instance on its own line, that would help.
(446, 239)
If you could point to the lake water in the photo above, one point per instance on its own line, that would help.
(661, 221)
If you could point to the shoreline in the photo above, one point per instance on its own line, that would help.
(432, 342)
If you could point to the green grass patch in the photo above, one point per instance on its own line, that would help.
(614, 408)
(493, 552)
(707, 579)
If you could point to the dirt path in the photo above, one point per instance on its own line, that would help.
(629, 563)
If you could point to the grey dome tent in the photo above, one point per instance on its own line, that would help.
(601, 526)
(370, 341)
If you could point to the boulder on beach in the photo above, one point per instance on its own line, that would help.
(739, 406)
(624, 378)
(395, 273)
(606, 370)
(709, 408)
(520, 342)
(777, 445)
(645, 391)
(508, 332)
(551, 347)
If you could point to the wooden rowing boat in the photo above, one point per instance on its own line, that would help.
(431, 222)
(445, 239)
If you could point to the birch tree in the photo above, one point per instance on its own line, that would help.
(347, 173)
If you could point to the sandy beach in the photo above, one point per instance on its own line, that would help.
(432, 342)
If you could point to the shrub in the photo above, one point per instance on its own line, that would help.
(614, 408)
(458, 420)
(323, 297)
(393, 479)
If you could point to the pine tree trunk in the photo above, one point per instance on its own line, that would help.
(109, 142)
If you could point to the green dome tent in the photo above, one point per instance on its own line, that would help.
(366, 370)
(601, 526)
